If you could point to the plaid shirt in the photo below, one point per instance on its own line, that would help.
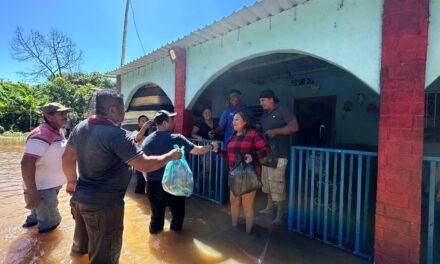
(249, 143)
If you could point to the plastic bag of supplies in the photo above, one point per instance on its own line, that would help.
(243, 179)
(178, 177)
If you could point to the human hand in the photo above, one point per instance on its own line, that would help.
(198, 138)
(147, 124)
(211, 134)
(175, 154)
(33, 200)
(270, 133)
(248, 158)
(70, 187)
(214, 147)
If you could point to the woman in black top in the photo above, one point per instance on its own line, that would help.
(201, 129)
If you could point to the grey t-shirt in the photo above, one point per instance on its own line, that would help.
(278, 118)
(103, 151)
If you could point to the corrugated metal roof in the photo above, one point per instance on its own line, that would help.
(244, 17)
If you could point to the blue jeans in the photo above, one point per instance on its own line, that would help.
(46, 214)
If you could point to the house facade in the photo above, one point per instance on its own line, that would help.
(358, 74)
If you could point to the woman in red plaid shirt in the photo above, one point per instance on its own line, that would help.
(248, 144)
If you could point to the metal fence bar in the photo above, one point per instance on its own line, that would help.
(342, 229)
(291, 189)
(366, 194)
(207, 169)
(334, 185)
(299, 208)
(430, 245)
(350, 186)
(341, 200)
(327, 169)
(306, 190)
(318, 217)
(221, 177)
(358, 205)
(312, 193)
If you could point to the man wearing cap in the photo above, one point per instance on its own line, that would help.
(104, 153)
(157, 143)
(41, 168)
(277, 122)
(225, 122)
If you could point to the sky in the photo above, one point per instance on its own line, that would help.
(96, 26)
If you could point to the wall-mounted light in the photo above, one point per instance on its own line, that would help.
(314, 88)
(173, 54)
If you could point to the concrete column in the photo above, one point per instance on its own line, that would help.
(398, 206)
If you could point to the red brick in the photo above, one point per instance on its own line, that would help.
(408, 135)
(393, 199)
(404, 48)
(380, 209)
(401, 186)
(406, 214)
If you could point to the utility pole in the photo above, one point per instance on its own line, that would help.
(124, 36)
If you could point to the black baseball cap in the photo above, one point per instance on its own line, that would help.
(162, 115)
(268, 94)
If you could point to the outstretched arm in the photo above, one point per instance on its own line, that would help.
(146, 163)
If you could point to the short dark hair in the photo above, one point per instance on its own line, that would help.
(106, 99)
(141, 116)
(234, 91)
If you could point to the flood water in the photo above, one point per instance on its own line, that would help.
(207, 236)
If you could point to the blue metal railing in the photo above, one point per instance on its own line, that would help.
(331, 197)
(430, 234)
(208, 174)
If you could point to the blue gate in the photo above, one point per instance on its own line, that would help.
(430, 233)
(208, 174)
(332, 198)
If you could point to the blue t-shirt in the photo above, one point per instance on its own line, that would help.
(161, 142)
(226, 120)
(103, 151)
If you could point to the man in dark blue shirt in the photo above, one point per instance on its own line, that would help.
(158, 143)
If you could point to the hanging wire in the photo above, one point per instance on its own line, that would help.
(135, 27)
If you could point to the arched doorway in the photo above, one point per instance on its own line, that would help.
(329, 101)
(334, 162)
(147, 100)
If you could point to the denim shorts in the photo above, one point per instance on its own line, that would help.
(46, 214)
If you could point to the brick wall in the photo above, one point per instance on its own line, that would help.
(180, 89)
(398, 207)
(118, 84)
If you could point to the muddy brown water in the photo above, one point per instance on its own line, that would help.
(207, 236)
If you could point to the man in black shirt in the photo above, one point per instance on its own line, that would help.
(277, 122)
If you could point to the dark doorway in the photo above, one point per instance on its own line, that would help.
(316, 118)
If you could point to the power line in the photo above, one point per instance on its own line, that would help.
(135, 27)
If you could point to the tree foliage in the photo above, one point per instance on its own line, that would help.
(20, 103)
(50, 55)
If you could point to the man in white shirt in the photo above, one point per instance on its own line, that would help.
(42, 171)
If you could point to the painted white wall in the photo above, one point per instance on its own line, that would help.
(160, 73)
(433, 60)
(348, 36)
